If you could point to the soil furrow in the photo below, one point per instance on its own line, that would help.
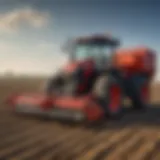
(22, 145)
(136, 136)
(93, 153)
(58, 143)
(144, 150)
(121, 148)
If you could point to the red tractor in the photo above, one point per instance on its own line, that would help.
(94, 82)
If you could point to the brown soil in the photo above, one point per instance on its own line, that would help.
(135, 137)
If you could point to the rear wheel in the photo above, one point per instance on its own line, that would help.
(109, 95)
(140, 100)
(139, 93)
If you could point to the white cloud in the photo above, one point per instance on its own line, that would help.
(14, 20)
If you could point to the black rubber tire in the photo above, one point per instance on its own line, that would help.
(55, 84)
(63, 84)
(137, 102)
(70, 87)
(101, 93)
(133, 92)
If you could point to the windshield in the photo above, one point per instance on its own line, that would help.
(92, 51)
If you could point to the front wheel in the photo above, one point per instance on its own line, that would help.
(109, 95)
(63, 85)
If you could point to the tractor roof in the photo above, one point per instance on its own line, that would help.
(98, 39)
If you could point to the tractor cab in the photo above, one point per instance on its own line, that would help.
(99, 48)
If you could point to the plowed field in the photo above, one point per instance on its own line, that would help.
(134, 137)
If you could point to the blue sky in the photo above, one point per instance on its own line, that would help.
(32, 31)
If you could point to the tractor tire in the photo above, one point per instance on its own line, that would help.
(134, 91)
(138, 102)
(63, 85)
(55, 85)
(103, 92)
(70, 87)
